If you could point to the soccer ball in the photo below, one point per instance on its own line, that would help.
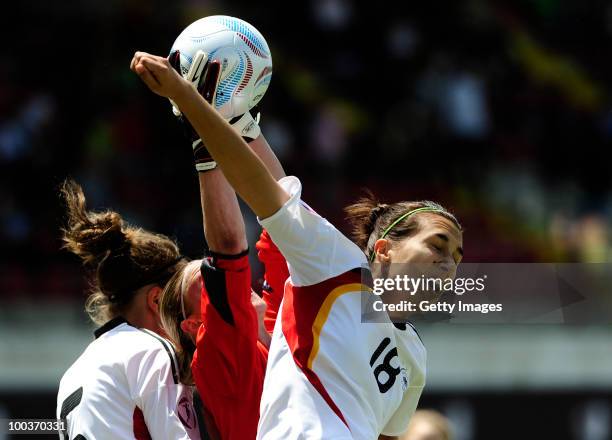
(246, 62)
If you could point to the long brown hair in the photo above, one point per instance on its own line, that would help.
(120, 258)
(171, 314)
(369, 218)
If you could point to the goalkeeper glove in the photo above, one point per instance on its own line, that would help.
(204, 75)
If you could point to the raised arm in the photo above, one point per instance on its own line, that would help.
(225, 232)
(261, 147)
(243, 169)
(223, 223)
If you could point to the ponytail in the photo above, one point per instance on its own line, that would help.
(363, 216)
(92, 236)
(120, 258)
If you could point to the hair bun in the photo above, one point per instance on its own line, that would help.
(91, 235)
(377, 212)
(363, 216)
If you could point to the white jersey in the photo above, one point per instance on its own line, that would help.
(330, 376)
(125, 385)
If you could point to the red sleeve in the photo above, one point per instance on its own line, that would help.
(229, 363)
(275, 276)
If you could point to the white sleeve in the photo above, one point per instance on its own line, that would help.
(314, 249)
(158, 395)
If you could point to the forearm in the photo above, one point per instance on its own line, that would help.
(223, 224)
(261, 147)
(242, 168)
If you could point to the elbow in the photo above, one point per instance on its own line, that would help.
(228, 245)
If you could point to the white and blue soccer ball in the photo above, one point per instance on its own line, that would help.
(244, 55)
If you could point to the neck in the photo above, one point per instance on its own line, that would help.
(138, 314)
(137, 320)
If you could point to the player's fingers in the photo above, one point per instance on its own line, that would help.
(136, 58)
(152, 64)
(149, 79)
(138, 55)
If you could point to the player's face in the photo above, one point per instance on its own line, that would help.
(433, 251)
(437, 246)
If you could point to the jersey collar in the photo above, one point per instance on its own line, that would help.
(110, 325)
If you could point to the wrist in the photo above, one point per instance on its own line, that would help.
(203, 160)
(246, 126)
(183, 93)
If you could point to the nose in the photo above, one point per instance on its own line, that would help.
(447, 267)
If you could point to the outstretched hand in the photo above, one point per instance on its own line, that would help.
(241, 166)
(157, 73)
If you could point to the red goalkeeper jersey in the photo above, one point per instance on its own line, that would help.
(276, 274)
(230, 362)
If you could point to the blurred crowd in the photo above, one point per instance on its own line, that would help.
(500, 111)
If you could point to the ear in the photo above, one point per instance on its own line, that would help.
(381, 250)
(190, 326)
(153, 297)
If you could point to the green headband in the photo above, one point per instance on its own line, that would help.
(402, 217)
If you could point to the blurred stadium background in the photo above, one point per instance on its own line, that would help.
(501, 111)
